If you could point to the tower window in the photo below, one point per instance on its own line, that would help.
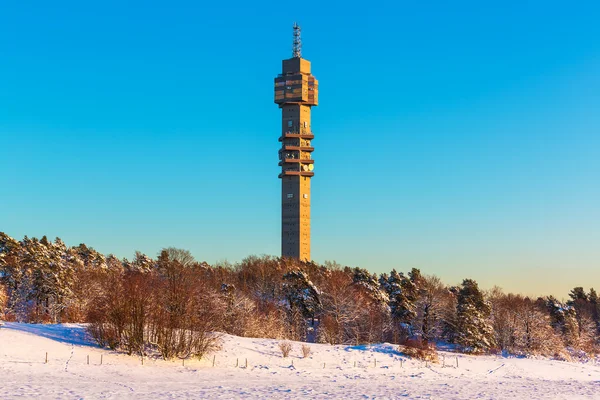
(290, 195)
(290, 123)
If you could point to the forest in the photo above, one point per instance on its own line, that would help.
(176, 306)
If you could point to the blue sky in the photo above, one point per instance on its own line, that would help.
(462, 139)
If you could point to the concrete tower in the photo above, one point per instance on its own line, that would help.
(296, 91)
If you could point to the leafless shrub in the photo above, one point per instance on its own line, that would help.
(170, 311)
(419, 350)
(286, 348)
(305, 350)
(3, 300)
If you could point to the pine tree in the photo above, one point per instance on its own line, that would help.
(563, 318)
(369, 283)
(90, 258)
(402, 294)
(141, 263)
(595, 303)
(114, 264)
(373, 311)
(578, 294)
(15, 277)
(474, 332)
(301, 293)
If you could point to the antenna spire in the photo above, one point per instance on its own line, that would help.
(297, 46)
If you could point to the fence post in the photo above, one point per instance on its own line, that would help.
(100, 359)
(237, 362)
(456, 361)
(400, 363)
(46, 358)
(88, 359)
(214, 358)
(246, 363)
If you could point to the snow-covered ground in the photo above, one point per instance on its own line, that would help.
(330, 372)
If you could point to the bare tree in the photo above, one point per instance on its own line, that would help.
(432, 300)
(183, 257)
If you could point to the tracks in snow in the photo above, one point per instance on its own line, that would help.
(87, 377)
(70, 357)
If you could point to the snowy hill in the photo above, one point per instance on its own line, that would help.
(349, 372)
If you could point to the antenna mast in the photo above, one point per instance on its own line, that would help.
(297, 47)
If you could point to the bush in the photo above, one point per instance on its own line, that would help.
(3, 300)
(420, 350)
(170, 312)
(286, 348)
(305, 350)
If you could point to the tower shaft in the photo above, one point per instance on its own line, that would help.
(296, 91)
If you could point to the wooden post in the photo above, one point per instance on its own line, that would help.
(246, 363)
(46, 358)
(214, 359)
(400, 363)
(183, 362)
(354, 364)
(456, 361)
(237, 362)
(323, 365)
(100, 359)
(292, 362)
(142, 359)
(88, 359)
(375, 363)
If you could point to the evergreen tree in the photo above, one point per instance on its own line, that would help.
(361, 278)
(474, 332)
(15, 277)
(114, 264)
(595, 303)
(563, 318)
(578, 294)
(402, 294)
(141, 263)
(89, 257)
(301, 293)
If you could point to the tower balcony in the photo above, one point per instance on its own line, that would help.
(296, 135)
(299, 148)
(296, 161)
(296, 173)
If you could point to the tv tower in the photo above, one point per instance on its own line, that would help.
(296, 92)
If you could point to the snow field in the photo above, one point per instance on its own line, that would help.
(329, 372)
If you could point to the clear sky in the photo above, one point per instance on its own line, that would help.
(462, 138)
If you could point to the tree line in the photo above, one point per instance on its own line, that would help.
(174, 304)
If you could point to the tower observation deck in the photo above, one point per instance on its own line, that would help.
(296, 92)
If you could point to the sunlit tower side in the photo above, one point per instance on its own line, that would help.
(296, 91)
